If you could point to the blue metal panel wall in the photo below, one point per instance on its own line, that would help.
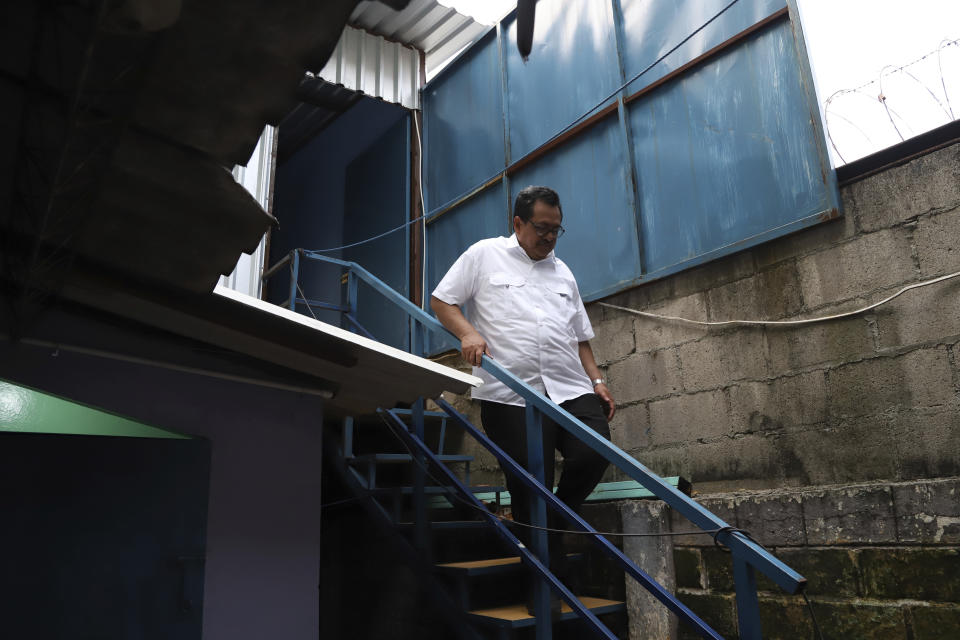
(592, 176)
(463, 124)
(377, 198)
(572, 67)
(724, 153)
(653, 28)
(452, 233)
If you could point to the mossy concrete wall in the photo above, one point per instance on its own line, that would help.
(870, 397)
(837, 443)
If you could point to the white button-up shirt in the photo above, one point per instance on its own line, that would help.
(529, 312)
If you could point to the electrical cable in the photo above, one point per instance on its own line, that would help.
(728, 323)
(640, 74)
(377, 237)
(304, 297)
(552, 138)
(423, 209)
(812, 615)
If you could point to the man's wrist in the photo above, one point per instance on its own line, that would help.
(597, 381)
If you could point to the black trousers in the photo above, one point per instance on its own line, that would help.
(582, 466)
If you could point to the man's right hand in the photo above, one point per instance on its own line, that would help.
(474, 347)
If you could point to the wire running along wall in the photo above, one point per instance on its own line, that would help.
(716, 147)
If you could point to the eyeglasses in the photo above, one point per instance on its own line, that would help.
(543, 231)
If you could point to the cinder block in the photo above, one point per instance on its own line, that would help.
(927, 314)
(773, 520)
(745, 461)
(737, 300)
(718, 273)
(722, 507)
(686, 561)
(850, 271)
(921, 378)
(829, 572)
(718, 360)
(861, 620)
(643, 376)
(689, 417)
(929, 442)
(928, 512)
(785, 402)
(935, 623)
(835, 341)
(849, 450)
(784, 619)
(718, 611)
(652, 334)
(718, 566)
(630, 428)
(779, 291)
(911, 574)
(849, 515)
(614, 337)
(805, 241)
(929, 183)
(938, 243)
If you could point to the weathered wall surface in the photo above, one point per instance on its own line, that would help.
(870, 397)
(835, 444)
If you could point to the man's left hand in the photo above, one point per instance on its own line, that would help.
(604, 393)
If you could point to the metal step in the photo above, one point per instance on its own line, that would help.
(394, 458)
(516, 616)
(485, 567)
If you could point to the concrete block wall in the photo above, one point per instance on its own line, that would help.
(870, 397)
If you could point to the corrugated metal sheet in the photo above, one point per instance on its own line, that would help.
(438, 31)
(375, 66)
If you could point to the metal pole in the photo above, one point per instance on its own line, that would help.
(421, 534)
(294, 278)
(538, 517)
(748, 606)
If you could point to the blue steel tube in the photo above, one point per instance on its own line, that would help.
(512, 467)
(526, 555)
(536, 461)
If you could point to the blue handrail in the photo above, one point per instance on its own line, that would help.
(747, 554)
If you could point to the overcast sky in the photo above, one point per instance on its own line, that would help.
(850, 43)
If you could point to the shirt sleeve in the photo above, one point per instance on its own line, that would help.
(581, 321)
(459, 284)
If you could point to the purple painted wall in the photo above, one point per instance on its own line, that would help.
(263, 529)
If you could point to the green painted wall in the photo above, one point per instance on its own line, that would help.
(26, 410)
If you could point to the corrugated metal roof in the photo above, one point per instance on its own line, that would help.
(375, 66)
(438, 31)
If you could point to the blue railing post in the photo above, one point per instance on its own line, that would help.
(294, 279)
(421, 532)
(351, 295)
(748, 606)
(536, 461)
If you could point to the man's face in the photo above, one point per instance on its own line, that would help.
(545, 217)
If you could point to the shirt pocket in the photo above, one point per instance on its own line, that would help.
(507, 294)
(559, 296)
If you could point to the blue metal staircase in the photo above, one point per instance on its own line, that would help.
(409, 514)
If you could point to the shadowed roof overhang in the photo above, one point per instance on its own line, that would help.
(120, 121)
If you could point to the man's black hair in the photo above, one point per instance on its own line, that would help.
(523, 206)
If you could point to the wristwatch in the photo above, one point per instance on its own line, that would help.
(597, 381)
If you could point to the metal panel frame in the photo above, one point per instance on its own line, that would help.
(513, 165)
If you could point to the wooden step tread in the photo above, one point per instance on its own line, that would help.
(474, 567)
(481, 564)
(517, 616)
(405, 457)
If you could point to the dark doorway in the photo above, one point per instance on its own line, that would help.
(102, 537)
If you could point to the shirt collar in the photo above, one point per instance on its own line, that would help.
(514, 244)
